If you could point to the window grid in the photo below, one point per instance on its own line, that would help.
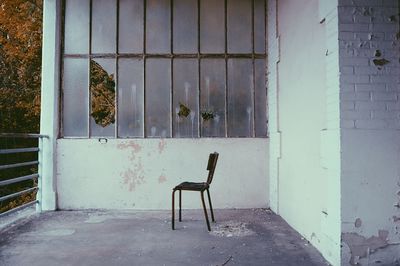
(172, 56)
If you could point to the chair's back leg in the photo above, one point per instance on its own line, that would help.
(205, 210)
(211, 209)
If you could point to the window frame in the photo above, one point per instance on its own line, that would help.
(199, 56)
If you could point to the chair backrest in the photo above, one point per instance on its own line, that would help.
(212, 163)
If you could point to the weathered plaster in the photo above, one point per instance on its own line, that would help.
(304, 141)
(140, 173)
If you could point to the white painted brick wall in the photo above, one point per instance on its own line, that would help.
(369, 94)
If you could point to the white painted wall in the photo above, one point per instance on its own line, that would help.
(140, 173)
(49, 119)
(306, 140)
(370, 122)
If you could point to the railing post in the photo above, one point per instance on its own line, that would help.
(40, 167)
(49, 119)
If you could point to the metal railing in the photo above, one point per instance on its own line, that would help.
(15, 160)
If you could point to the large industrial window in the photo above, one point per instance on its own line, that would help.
(164, 68)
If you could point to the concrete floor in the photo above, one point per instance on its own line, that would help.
(239, 237)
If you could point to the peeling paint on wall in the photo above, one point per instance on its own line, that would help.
(162, 179)
(133, 178)
(361, 246)
(161, 146)
(132, 146)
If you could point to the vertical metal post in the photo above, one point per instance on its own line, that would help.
(39, 180)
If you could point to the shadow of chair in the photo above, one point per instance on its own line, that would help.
(201, 187)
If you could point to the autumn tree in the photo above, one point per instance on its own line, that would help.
(20, 65)
(20, 69)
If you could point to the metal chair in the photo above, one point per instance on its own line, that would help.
(201, 187)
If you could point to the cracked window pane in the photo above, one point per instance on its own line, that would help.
(104, 26)
(158, 26)
(75, 97)
(130, 26)
(239, 26)
(158, 90)
(130, 98)
(76, 39)
(212, 100)
(186, 94)
(102, 97)
(240, 98)
(212, 26)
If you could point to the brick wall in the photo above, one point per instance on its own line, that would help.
(369, 48)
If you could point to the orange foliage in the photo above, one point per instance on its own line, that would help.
(20, 65)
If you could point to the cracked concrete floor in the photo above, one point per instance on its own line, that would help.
(239, 237)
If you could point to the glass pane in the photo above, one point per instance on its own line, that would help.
(185, 26)
(158, 91)
(185, 101)
(102, 96)
(104, 26)
(212, 26)
(240, 98)
(239, 26)
(75, 97)
(158, 26)
(212, 100)
(260, 98)
(130, 98)
(130, 26)
(77, 27)
(259, 26)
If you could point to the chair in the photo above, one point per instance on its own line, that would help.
(201, 187)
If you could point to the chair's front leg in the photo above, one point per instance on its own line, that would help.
(173, 209)
(180, 205)
(209, 201)
(205, 210)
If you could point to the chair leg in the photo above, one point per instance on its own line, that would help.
(180, 205)
(173, 209)
(211, 209)
(205, 210)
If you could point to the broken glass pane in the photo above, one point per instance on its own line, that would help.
(240, 98)
(212, 26)
(259, 26)
(158, 26)
(130, 98)
(75, 97)
(104, 26)
(130, 26)
(239, 26)
(185, 26)
(102, 96)
(260, 98)
(185, 100)
(212, 100)
(158, 90)
(76, 39)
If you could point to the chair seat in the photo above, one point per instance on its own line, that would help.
(192, 186)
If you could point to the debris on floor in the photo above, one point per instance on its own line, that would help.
(231, 229)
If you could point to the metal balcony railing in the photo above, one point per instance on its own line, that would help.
(20, 156)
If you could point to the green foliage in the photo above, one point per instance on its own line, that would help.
(102, 87)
